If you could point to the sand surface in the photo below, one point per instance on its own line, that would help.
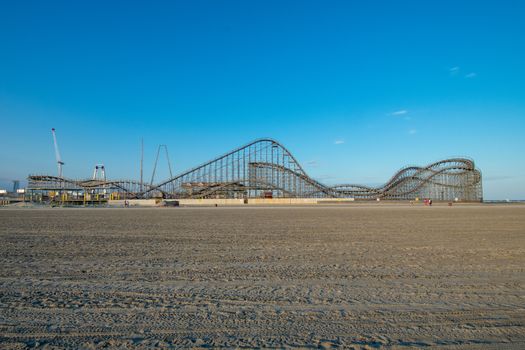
(348, 277)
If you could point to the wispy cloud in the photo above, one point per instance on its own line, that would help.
(312, 163)
(339, 142)
(325, 177)
(400, 112)
(412, 131)
(455, 71)
(498, 178)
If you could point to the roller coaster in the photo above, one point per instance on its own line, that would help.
(265, 168)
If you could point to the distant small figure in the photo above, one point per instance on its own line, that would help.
(126, 203)
(430, 202)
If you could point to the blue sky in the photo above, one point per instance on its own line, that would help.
(355, 89)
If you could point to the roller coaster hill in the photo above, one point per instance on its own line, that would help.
(264, 168)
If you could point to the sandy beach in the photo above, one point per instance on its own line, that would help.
(309, 277)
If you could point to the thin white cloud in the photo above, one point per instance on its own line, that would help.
(412, 131)
(325, 177)
(312, 163)
(471, 75)
(498, 178)
(339, 142)
(400, 112)
(454, 70)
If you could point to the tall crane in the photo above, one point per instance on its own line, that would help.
(57, 153)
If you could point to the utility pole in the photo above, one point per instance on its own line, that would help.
(141, 162)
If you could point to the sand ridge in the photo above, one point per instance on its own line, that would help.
(349, 277)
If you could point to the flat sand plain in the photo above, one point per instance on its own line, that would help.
(358, 276)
